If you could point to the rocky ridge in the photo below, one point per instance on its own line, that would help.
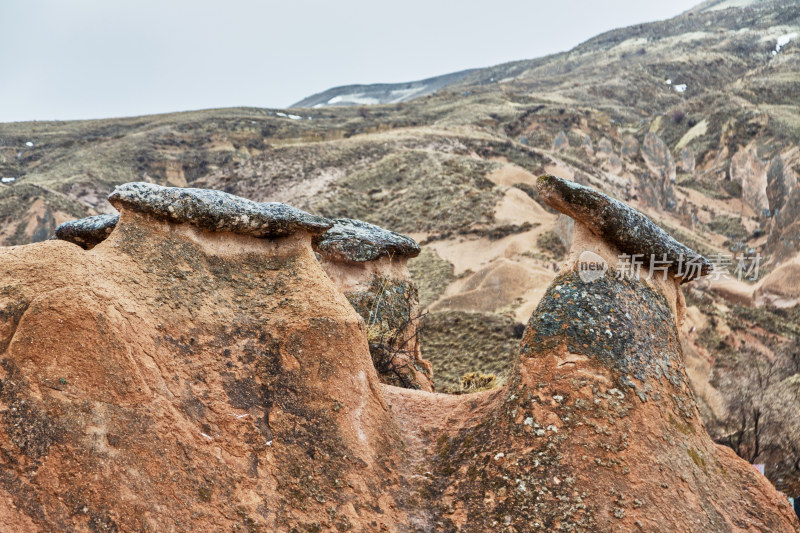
(234, 364)
(456, 169)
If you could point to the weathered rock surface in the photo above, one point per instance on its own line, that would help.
(368, 264)
(622, 226)
(87, 232)
(748, 170)
(216, 210)
(178, 379)
(630, 146)
(658, 157)
(359, 241)
(561, 142)
(656, 186)
(781, 179)
(686, 161)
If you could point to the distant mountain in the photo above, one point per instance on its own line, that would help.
(380, 93)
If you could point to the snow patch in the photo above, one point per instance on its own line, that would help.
(29, 144)
(668, 82)
(353, 98)
(285, 115)
(729, 4)
(401, 94)
(8, 180)
(681, 88)
(782, 41)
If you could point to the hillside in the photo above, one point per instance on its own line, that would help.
(695, 121)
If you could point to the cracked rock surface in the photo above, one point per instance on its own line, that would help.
(87, 232)
(358, 241)
(622, 226)
(216, 210)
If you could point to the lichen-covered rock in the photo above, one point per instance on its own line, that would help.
(359, 241)
(216, 210)
(88, 232)
(623, 227)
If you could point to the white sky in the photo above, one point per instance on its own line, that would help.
(74, 59)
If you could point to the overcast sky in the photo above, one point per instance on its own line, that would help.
(75, 59)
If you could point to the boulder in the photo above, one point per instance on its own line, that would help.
(216, 210)
(658, 157)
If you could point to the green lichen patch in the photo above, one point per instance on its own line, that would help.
(621, 322)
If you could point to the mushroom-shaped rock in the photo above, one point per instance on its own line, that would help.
(369, 265)
(88, 232)
(181, 379)
(216, 210)
(623, 227)
(597, 428)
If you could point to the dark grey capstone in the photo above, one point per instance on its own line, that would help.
(216, 210)
(87, 232)
(358, 241)
(622, 226)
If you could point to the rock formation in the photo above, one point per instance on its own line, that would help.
(561, 142)
(621, 226)
(87, 232)
(369, 265)
(178, 378)
(658, 185)
(780, 182)
(598, 429)
(630, 146)
(749, 171)
(198, 371)
(686, 161)
(780, 289)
